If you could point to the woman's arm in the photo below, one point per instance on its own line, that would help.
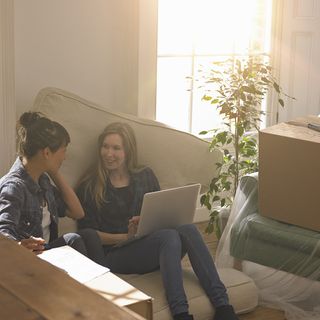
(11, 200)
(91, 220)
(74, 208)
(111, 238)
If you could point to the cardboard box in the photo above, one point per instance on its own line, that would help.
(122, 294)
(289, 173)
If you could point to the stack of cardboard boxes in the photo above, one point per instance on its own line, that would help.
(289, 173)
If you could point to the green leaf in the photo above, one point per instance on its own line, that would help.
(206, 98)
(219, 164)
(215, 198)
(217, 229)
(281, 102)
(203, 199)
(247, 89)
(214, 214)
(209, 228)
(240, 131)
(215, 188)
(276, 87)
(227, 186)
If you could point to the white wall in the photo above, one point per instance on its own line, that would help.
(88, 47)
(7, 103)
(299, 62)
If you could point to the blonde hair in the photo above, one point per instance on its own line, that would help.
(94, 180)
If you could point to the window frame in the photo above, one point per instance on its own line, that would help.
(148, 55)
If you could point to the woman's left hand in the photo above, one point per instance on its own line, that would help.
(133, 226)
(135, 220)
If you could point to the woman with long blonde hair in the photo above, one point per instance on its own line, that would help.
(111, 194)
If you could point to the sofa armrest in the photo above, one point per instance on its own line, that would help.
(246, 199)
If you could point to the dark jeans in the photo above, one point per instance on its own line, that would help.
(163, 250)
(84, 241)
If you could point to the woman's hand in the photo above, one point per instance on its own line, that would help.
(34, 244)
(75, 210)
(133, 226)
(135, 220)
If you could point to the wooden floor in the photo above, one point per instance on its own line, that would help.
(260, 313)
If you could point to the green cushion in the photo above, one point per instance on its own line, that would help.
(276, 244)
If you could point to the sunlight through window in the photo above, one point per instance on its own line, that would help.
(193, 33)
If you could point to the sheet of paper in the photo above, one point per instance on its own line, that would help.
(74, 263)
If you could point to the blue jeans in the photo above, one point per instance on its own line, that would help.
(164, 249)
(85, 241)
(73, 240)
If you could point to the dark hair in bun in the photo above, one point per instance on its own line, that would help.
(36, 132)
(28, 118)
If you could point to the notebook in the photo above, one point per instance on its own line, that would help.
(76, 265)
(167, 208)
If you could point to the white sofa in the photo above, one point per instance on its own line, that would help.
(177, 158)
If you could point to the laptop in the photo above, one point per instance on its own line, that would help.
(167, 208)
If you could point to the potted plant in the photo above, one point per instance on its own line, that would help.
(236, 88)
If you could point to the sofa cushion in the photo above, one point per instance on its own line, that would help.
(177, 158)
(241, 290)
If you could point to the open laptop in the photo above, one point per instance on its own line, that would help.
(167, 208)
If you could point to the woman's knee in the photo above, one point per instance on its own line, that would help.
(71, 238)
(169, 237)
(91, 239)
(88, 234)
(189, 232)
(188, 229)
(93, 245)
(75, 241)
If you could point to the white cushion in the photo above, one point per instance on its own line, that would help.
(243, 293)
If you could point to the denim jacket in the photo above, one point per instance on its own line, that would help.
(20, 204)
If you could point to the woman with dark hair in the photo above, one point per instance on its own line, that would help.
(111, 194)
(29, 204)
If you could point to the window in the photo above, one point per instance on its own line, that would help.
(193, 33)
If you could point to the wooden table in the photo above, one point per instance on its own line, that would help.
(123, 294)
(33, 289)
